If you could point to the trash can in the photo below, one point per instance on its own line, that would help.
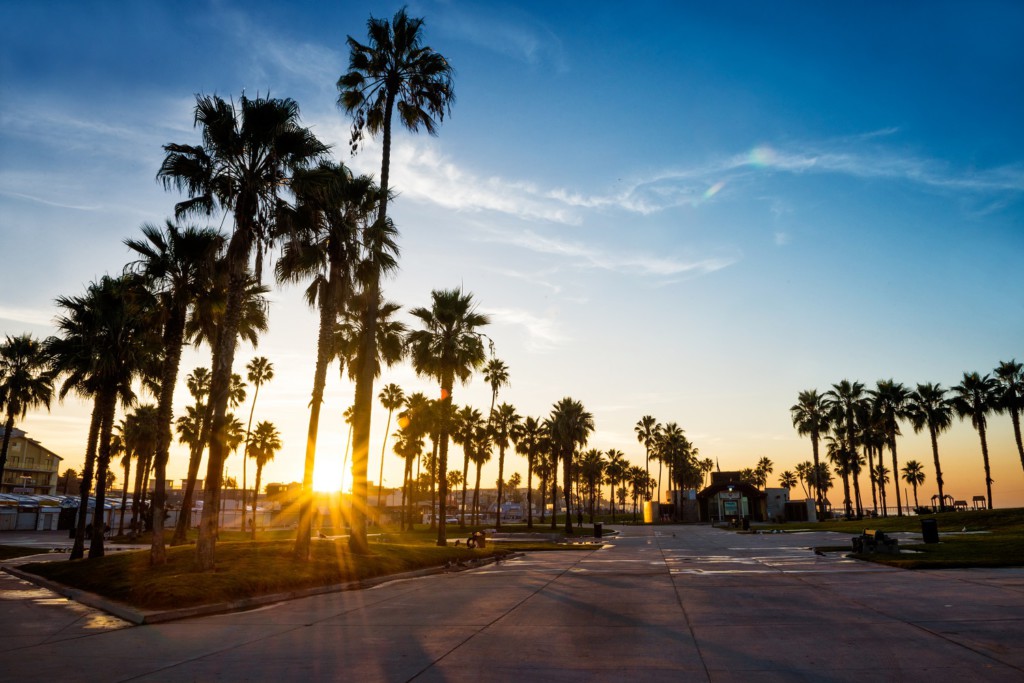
(598, 529)
(746, 523)
(930, 530)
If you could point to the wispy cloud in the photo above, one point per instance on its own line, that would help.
(60, 205)
(591, 257)
(26, 316)
(542, 332)
(509, 32)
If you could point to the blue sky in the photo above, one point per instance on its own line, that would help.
(668, 208)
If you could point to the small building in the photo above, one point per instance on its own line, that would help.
(31, 468)
(728, 499)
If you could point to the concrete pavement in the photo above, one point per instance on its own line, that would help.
(662, 603)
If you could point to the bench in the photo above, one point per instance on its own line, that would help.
(872, 541)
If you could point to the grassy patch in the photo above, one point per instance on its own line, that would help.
(1001, 544)
(248, 569)
(9, 552)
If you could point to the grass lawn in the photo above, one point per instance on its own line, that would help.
(9, 552)
(248, 569)
(1001, 544)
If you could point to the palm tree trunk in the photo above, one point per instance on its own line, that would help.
(323, 345)
(818, 494)
(255, 496)
(78, 547)
(1015, 419)
(529, 491)
(220, 389)
(245, 450)
(870, 452)
(938, 468)
(988, 470)
(447, 384)
(554, 490)
(433, 481)
(360, 456)
(465, 483)
(102, 462)
(124, 491)
(567, 489)
(194, 460)
(501, 484)
(896, 475)
(8, 428)
(383, 448)
(173, 342)
(137, 492)
(476, 495)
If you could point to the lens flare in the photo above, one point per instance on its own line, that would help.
(762, 155)
(713, 190)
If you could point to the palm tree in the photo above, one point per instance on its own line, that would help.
(881, 475)
(810, 417)
(638, 480)
(259, 371)
(592, 466)
(25, 382)
(570, 426)
(504, 421)
(763, 469)
(193, 429)
(928, 407)
(913, 474)
(527, 436)
(787, 480)
(392, 398)
(142, 434)
(178, 266)
(975, 397)
(647, 429)
(448, 347)
(408, 445)
(467, 422)
(614, 471)
(264, 443)
(1010, 375)
(322, 245)
(107, 337)
(244, 159)
(387, 348)
(496, 375)
(117, 448)
(393, 70)
(480, 455)
(890, 405)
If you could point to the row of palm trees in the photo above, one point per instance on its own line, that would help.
(856, 424)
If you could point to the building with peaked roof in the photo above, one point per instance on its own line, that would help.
(31, 467)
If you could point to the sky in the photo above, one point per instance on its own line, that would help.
(687, 210)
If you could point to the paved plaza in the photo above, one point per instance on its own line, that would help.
(667, 603)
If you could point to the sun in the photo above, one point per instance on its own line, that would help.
(327, 477)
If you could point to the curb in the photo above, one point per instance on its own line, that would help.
(143, 617)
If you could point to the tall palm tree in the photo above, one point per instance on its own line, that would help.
(107, 337)
(386, 348)
(975, 397)
(1010, 375)
(810, 417)
(449, 347)
(193, 430)
(142, 434)
(178, 266)
(504, 420)
(264, 443)
(259, 371)
(614, 471)
(647, 429)
(928, 407)
(527, 436)
(570, 426)
(246, 156)
(322, 245)
(392, 398)
(844, 401)
(408, 445)
(393, 70)
(890, 405)
(638, 480)
(26, 381)
(480, 455)
(913, 474)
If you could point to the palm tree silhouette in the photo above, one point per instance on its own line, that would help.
(178, 266)
(975, 397)
(647, 429)
(246, 156)
(913, 474)
(928, 407)
(570, 426)
(449, 346)
(392, 398)
(527, 436)
(1010, 375)
(504, 421)
(264, 443)
(259, 371)
(394, 70)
